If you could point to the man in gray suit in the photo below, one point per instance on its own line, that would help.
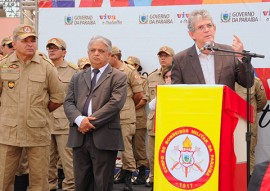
(197, 66)
(92, 105)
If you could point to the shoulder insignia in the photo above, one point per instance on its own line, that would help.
(46, 59)
(72, 65)
(153, 72)
(4, 57)
(143, 77)
(131, 67)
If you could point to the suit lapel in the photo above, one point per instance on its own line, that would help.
(195, 63)
(107, 72)
(87, 77)
(218, 64)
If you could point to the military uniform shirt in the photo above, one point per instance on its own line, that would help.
(60, 123)
(155, 78)
(128, 114)
(26, 89)
(141, 112)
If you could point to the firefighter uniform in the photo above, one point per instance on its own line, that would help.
(26, 90)
(128, 116)
(59, 130)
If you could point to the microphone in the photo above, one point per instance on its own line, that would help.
(207, 46)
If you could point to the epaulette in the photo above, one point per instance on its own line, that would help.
(45, 58)
(72, 65)
(153, 72)
(143, 77)
(131, 67)
(4, 57)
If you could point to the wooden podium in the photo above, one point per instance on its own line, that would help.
(200, 139)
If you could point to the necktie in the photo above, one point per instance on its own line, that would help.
(93, 83)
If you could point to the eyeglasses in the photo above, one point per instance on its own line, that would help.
(54, 48)
(203, 27)
(10, 45)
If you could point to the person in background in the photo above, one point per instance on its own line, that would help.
(258, 100)
(84, 63)
(139, 144)
(127, 116)
(167, 76)
(165, 56)
(92, 105)
(57, 50)
(7, 46)
(198, 66)
(30, 89)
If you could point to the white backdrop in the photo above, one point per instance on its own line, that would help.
(141, 31)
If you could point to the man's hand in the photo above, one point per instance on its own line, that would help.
(237, 46)
(86, 126)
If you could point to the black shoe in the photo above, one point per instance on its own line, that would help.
(119, 178)
(141, 176)
(61, 177)
(21, 182)
(128, 183)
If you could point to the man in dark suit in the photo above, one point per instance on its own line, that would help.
(93, 111)
(197, 66)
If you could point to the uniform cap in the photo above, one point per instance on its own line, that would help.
(132, 60)
(83, 61)
(6, 40)
(167, 50)
(57, 42)
(115, 50)
(23, 31)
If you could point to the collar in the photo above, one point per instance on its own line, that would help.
(101, 70)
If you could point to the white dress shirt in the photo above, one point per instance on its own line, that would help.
(79, 119)
(208, 66)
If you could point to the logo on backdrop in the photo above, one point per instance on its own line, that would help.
(143, 19)
(225, 17)
(68, 20)
(239, 17)
(266, 15)
(182, 17)
(187, 158)
(155, 19)
(80, 20)
(109, 20)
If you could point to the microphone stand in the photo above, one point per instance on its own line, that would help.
(246, 59)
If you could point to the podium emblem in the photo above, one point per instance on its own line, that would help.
(187, 158)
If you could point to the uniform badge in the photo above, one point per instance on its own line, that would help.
(136, 77)
(11, 85)
(4, 65)
(14, 66)
(27, 29)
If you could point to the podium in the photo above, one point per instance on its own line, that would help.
(200, 139)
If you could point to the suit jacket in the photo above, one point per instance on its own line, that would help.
(228, 69)
(108, 98)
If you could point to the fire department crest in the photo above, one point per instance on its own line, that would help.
(187, 158)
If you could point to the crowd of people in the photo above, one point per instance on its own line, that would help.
(60, 118)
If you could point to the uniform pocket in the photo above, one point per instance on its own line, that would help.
(37, 83)
(36, 123)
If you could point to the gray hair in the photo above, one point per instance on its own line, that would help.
(197, 15)
(102, 39)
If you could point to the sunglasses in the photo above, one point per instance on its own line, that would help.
(10, 45)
